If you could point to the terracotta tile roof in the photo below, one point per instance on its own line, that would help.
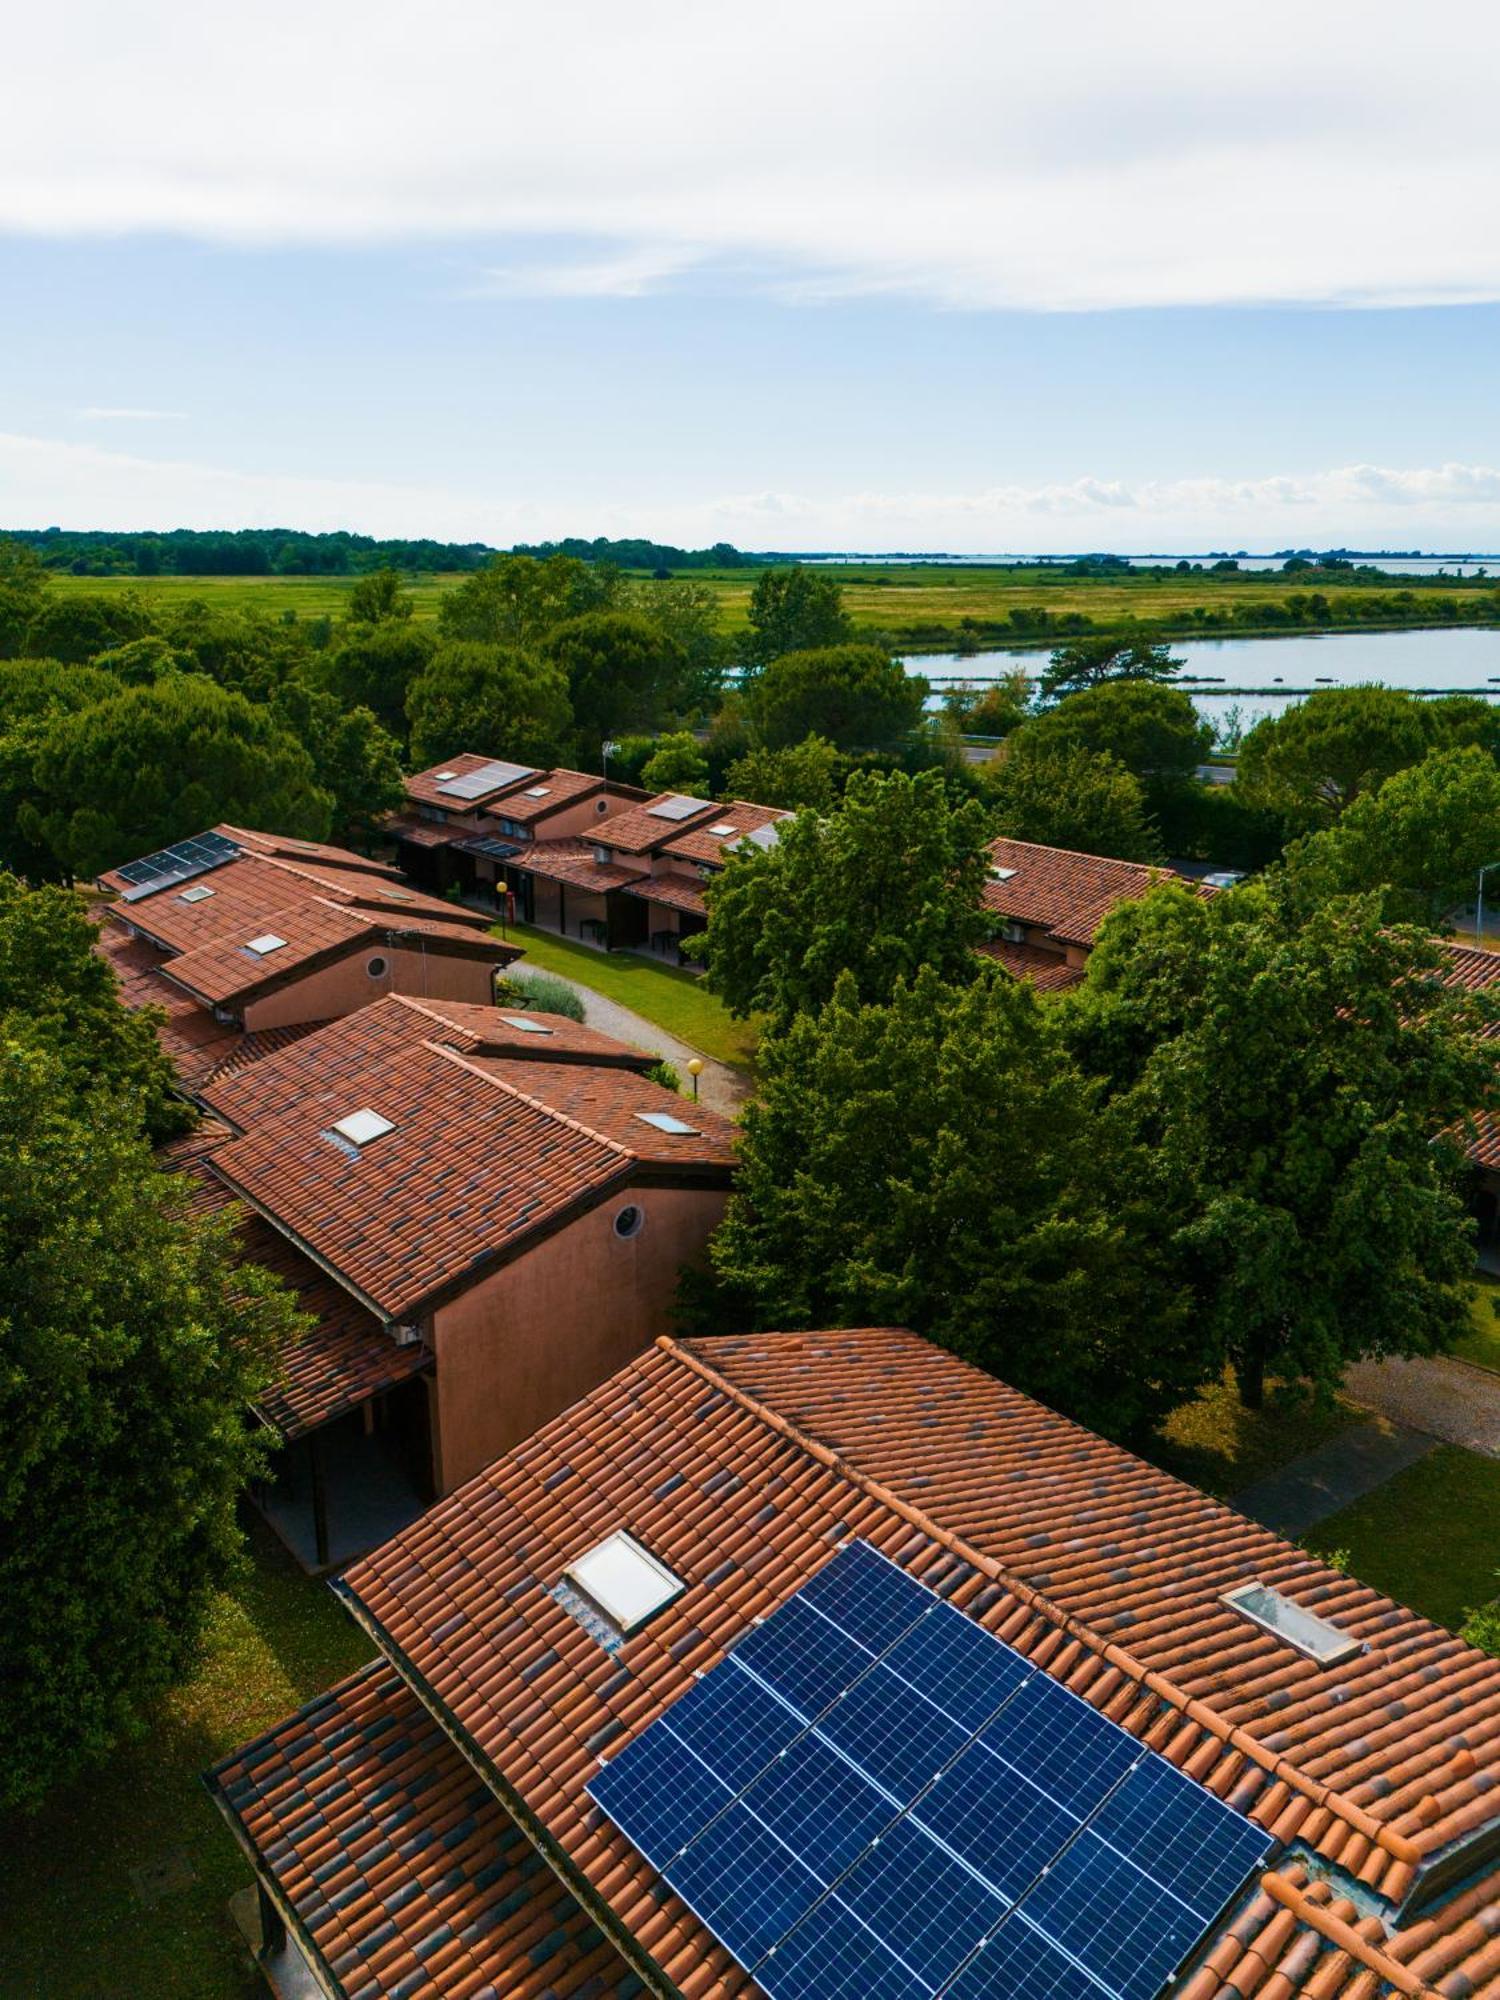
(491, 1031)
(396, 1867)
(742, 1463)
(422, 832)
(561, 788)
(485, 1153)
(642, 831)
(1067, 894)
(1471, 967)
(347, 1356)
(572, 862)
(307, 852)
(701, 843)
(675, 892)
(1047, 971)
(425, 789)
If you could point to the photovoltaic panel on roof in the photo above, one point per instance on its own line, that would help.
(872, 1798)
(171, 865)
(677, 806)
(484, 778)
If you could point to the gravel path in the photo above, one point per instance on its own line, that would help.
(1334, 1476)
(721, 1087)
(1451, 1399)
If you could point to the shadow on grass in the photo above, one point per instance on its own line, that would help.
(1215, 1443)
(82, 1919)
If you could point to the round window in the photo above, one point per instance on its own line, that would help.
(630, 1221)
(378, 967)
(601, 805)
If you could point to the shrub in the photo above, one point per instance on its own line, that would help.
(664, 1074)
(542, 991)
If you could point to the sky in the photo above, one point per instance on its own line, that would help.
(982, 275)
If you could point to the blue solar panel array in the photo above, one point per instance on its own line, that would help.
(174, 864)
(872, 1798)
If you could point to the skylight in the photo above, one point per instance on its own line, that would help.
(538, 791)
(624, 1582)
(442, 777)
(1001, 874)
(1278, 1615)
(724, 830)
(266, 942)
(199, 893)
(526, 1027)
(360, 1127)
(665, 1122)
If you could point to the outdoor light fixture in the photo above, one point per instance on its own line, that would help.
(695, 1070)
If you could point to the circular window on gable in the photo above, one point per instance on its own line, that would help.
(630, 1221)
(377, 967)
(601, 805)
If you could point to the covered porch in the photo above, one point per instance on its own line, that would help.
(350, 1484)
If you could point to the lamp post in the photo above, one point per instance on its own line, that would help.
(1488, 869)
(695, 1070)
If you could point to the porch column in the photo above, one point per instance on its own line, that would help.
(562, 908)
(319, 1500)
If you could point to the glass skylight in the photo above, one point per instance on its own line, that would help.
(1278, 1615)
(360, 1127)
(724, 830)
(199, 893)
(538, 791)
(1001, 874)
(442, 777)
(623, 1581)
(665, 1122)
(266, 942)
(526, 1027)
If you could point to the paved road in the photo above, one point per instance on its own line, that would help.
(1453, 1400)
(721, 1087)
(1334, 1476)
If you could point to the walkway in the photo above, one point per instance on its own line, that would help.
(1333, 1477)
(1453, 1400)
(721, 1087)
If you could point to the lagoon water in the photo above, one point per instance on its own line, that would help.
(1268, 670)
(1464, 565)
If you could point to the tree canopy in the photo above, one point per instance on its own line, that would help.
(858, 697)
(794, 611)
(677, 764)
(473, 694)
(1150, 728)
(374, 666)
(801, 774)
(1068, 796)
(936, 1160)
(1313, 760)
(355, 758)
(889, 881)
(623, 674)
(1298, 1085)
(1086, 663)
(518, 600)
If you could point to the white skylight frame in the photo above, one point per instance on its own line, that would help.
(525, 1027)
(359, 1128)
(668, 1121)
(623, 1581)
(198, 893)
(537, 792)
(724, 830)
(1315, 1638)
(443, 777)
(265, 944)
(1001, 874)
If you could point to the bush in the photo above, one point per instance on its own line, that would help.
(1482, 1629)
(541, 991)
(664, 1074)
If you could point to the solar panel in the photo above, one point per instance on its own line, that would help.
(170, 865)
(872, 1798)
(484, 778)
(676, 806)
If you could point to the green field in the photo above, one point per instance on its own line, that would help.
(939, 607)
(119, 1887)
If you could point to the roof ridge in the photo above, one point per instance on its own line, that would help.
(1344, 1937)
(1117, 1656)
(460, 1057)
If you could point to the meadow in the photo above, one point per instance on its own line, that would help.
(941, 608)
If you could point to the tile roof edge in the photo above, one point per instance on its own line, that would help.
(591, 1900)
(1250, 1747)
(459, 1057)
(1344, 1937)
(385, 1314)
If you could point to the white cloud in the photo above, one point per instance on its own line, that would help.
(1450, 508)
(124, 414)
(1036, 154)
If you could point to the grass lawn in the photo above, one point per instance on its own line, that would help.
(1430, 1536)
(1215, 1443)
(1482, 1342)
(664, 994)
(73, 1923)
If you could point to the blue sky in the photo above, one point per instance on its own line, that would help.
(804, 282)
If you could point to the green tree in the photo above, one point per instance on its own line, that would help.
(376, 666)
(803, 775)
(688, 613)
(379, 598)
(24, 585)
(991, 711)
(1311, 762)
(489, 698)
(1299, 1087)
(1086, 663)
(1153, 730)
(889, 881)
(858, 697)
(153, 765)
(518, 600)
(76, 628)
(1421, 839)
(623, 675)
(677, 765)
(794, 611)
(129, 1343)
(937, 1160)
(354, 757)
(1069, 797)
(52, 977)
